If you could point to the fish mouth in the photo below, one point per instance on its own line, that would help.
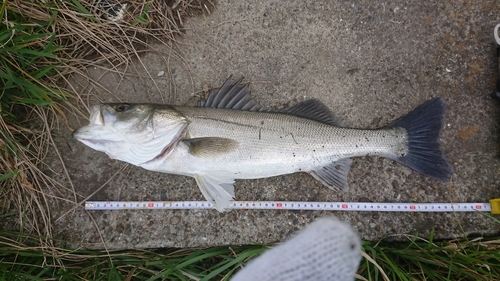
(91, 135)
(95, 135)
(96, 116)
(93, 141)
(95, 119)
(100, 115)
(96, 131)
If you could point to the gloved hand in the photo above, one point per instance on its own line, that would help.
(326, 250)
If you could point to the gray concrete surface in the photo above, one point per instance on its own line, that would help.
(370, 61)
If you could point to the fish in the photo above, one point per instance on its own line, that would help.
(230, 136)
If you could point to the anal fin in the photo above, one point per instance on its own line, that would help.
(218, 190)
(334, 175)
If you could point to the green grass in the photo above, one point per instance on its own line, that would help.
(421, 259)
(414, 259)
(28, 57)
(29, 67)
(22, 262)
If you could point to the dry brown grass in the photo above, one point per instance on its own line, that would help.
(25, 194)
(89, 37)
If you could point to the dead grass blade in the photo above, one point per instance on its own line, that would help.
(73, 35)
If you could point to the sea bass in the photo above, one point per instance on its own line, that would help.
(230, 136)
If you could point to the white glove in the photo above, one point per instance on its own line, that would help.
(327, 249)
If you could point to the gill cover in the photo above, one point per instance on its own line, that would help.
(134, 133)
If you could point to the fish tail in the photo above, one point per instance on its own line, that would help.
(423, 126)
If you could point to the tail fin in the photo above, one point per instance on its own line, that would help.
(423, 126)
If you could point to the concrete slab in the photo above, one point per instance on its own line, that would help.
(370, 61)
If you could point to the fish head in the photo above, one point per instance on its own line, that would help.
(135, 133)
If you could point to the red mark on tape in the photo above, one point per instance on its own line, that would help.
(412, 207)
(479, 207)
(344, 206)
(151, 205)
(279, 205)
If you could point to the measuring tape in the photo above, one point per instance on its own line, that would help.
(493, 206)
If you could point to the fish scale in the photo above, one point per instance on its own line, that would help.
(291, 141)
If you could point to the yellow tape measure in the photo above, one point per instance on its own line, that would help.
(495, 206)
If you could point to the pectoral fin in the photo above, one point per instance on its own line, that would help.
(217, 189)
(210, 147)
(334, 175)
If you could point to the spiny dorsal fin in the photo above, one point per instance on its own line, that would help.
(210, 147)
(315, 110)
(232, 96)
(334, 175)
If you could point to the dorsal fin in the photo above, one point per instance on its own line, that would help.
(232, 96)
(315, 110)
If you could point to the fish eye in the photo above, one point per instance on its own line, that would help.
(122, 107)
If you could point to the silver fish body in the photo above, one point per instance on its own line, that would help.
(250, 145)
(232, 137)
